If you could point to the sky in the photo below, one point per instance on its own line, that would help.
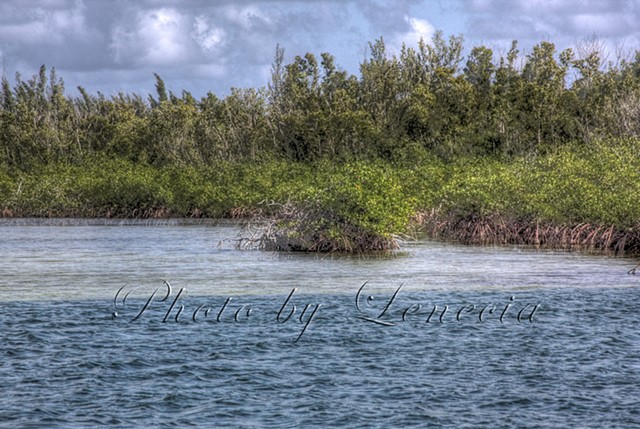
(213, 45)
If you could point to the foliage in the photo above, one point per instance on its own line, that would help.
(309, 227)
(428, 98)
(353, 208)
(597, 184)
(547, 137)
(369, 196)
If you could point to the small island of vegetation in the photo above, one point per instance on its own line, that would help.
(538, 149)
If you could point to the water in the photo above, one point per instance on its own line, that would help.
(71, 356)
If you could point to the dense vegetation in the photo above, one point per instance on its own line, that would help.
(460, 143)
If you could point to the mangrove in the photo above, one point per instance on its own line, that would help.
(537, 148)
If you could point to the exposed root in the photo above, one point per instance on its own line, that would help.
(495, 229)
(244, 213)
(310, 229)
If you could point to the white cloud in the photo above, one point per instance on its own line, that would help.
(162, 36)
(606, 24)
(565, 23)
(207, 36)
(69, 21)
(38, 25)
(158, 37)
(559, 20)
(210, 45)
(418, 29)
(246, 17)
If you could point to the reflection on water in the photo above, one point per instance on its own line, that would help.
(217, 347)
(95, 259)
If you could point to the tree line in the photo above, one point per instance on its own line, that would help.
(431, 99)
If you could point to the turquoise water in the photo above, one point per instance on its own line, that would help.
(253, 339)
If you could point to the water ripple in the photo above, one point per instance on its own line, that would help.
(65, 362)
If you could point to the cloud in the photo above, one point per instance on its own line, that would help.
(566, 23)
(155, 37)
(207, 36)
(558, 20)
(203, 45)
(248, 18)
(419, 29)
(54, 25)
(386, 17)
(616, 24)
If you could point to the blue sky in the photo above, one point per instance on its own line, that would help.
(213, 45)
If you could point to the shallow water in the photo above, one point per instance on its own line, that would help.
(255, 339)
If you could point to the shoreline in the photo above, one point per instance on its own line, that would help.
(469, 229)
